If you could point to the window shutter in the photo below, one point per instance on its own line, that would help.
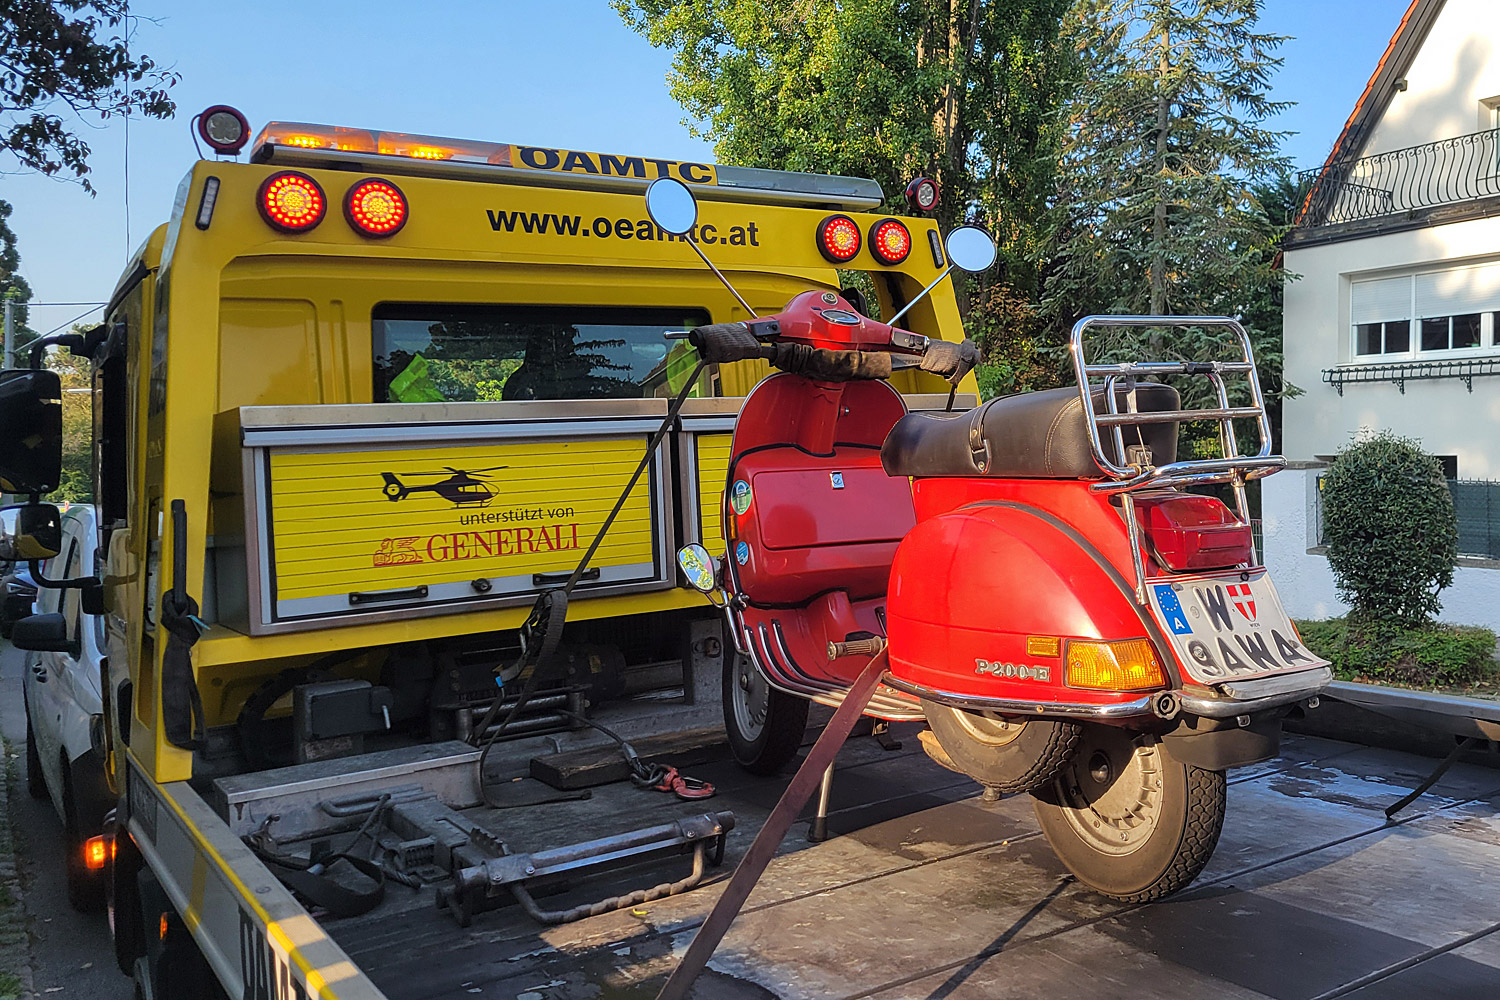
(1380, 301)
(1459, 291)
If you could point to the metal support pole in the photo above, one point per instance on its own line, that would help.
(818, 760)
(817, 830)
(10, 334)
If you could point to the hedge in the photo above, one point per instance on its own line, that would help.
(1428, 656)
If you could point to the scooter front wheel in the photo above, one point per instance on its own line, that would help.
(1009, 754)
(765, 726)
(1128, 819)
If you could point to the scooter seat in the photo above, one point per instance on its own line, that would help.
(1033, 435)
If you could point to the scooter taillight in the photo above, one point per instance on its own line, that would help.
(1187, 532)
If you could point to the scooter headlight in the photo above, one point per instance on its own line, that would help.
(1130, 665)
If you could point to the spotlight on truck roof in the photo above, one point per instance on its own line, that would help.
(223, 128)
(922, 194)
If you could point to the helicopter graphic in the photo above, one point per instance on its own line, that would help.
(461, 488)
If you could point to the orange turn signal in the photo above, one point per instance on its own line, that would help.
(1130, 665)
(1043, 645)
(95, 853)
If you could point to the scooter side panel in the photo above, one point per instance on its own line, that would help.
(968, 587)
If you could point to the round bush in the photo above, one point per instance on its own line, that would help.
(1391, 533)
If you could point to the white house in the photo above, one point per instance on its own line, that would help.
(1394, 320)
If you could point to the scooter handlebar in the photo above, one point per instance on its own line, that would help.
(951, 361)
(721, 343)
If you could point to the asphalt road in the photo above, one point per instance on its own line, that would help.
(71, 952)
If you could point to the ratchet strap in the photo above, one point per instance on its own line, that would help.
(309, 882)
(181, 704)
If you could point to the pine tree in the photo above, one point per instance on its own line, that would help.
(1164, 139)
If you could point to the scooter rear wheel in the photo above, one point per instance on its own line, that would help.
(765, 726)
(1007, 754)
(1128, 819)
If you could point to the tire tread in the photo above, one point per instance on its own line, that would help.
(1207, 792)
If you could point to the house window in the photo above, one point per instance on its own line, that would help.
(1381, 311)
(1436, 314)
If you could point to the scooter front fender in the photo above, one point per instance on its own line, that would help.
(970, 586)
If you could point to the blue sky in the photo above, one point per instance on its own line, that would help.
(564, 73)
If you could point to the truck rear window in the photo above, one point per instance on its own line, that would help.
(437, 353)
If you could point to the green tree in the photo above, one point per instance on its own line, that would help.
(76, 375)
(62, 59)
(1391, 531)
(962, 91)
(1164, 138)
(12, 285)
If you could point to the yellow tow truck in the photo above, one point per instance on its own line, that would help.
(357, 403)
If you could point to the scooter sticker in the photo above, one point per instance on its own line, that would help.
(1171, 609)
(740, 497)
(742, 553)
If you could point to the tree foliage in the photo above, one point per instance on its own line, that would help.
(12, 285)
(1390, 528)
(76, 375)
(61, 59)
(1163, 138)
(963, 91)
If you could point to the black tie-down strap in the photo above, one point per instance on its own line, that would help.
(324, 891)
(181, 704)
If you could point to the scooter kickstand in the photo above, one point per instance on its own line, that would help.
(881, 730)
(817, 830)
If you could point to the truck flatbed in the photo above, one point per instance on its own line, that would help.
(925, 891)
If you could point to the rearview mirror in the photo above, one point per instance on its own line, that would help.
(672, 206)
(41, 634)
(37, 534)
(31, 445)
(700, 568)
(970, 249)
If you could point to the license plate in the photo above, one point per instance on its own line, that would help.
(1228, 626)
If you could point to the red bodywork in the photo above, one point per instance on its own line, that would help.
(957, 573)
(993, 561)
(816, 557)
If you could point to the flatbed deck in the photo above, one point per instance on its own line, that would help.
(925, 891)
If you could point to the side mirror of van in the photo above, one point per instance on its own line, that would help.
(31, 447)
(37, 534)
(42, 634)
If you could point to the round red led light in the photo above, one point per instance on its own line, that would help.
(839, 239)
(375, 207)
(890, 241)
(291, 202)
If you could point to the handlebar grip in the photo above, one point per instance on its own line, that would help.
(951, 361)
(720, 343)
(855, 647)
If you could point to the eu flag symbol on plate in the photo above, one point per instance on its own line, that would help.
(1171, 609)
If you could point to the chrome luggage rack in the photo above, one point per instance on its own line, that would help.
(1234, 468)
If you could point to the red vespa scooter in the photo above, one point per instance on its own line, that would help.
(1068, 621)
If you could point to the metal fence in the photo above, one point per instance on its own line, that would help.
(1435, 173)
(1477, 504)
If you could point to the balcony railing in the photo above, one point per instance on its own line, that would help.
(1447, 172)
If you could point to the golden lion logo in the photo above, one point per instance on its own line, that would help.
(398, 552)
